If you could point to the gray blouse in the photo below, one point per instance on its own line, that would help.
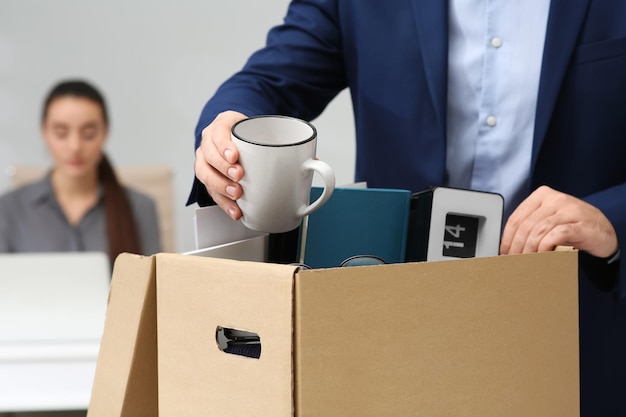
(31, 220)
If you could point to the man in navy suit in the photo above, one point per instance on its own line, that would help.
(527, 99)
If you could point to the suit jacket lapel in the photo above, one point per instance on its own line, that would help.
(564, 23)
(432, 26)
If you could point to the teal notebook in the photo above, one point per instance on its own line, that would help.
(357, 221)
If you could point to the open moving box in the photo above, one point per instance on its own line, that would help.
(477, 337)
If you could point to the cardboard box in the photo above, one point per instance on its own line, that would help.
(475, 337)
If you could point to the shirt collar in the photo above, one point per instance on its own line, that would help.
(41, 191)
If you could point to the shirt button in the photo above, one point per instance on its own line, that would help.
(496, 42)
(491, 121)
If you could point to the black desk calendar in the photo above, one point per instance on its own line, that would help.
(449, 223)
(460, 236)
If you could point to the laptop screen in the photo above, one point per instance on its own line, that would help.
(53, 297)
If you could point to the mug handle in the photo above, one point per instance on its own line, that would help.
(328, 176)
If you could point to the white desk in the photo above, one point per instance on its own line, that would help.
(47, 377)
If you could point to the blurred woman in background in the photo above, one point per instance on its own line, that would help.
(79, 205)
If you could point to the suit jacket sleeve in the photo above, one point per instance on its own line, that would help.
(609, 276)
(297, 73)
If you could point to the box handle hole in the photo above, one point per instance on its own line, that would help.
(238, 342)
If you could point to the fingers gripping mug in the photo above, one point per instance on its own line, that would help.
(277, 154)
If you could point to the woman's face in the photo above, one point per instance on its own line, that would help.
(75, 131)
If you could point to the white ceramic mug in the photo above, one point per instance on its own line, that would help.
(277, 154)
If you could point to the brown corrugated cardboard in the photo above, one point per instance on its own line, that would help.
(126, 373)
(485, 337)
(489, 336)
(195, 297)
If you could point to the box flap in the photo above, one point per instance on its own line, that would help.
(478, 337)
(196, 295)
(125, 383)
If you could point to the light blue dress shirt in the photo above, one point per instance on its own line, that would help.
(495, 54)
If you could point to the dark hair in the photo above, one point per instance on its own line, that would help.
(75, 88)
(120, 221)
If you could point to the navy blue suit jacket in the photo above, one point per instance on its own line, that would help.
(393, 57)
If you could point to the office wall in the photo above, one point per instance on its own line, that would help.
(157, 62)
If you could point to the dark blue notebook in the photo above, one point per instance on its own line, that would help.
(358, 221)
